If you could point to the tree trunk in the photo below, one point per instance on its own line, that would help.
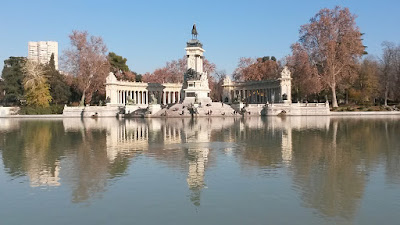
(334, 100)
(386, 93)
(82, 103)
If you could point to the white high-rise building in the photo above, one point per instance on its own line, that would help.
(41, 51)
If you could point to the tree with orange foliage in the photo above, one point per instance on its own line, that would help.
(250, 69)
(87, 61)
(332, 41)
(306, 80)
(173, 72)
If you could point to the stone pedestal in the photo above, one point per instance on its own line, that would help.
(238, 106)
(154, 108)
(287, 102)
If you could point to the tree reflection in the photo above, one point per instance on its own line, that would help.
(328, 159)
(31, 150)
(330, 167)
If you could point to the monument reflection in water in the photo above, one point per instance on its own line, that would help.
(315, 163)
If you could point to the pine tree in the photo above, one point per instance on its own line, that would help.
(59, 90)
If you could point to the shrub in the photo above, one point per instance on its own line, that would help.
(32, 110)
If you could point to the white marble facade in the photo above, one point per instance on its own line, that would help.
(259, 92)
(120, 93)
(195, 87)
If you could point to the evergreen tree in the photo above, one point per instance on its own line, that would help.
(13, 76)
(117, 63)
(59, 89)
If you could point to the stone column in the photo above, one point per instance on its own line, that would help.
(163, 97)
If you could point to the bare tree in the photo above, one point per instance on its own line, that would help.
(87, 61)
(215, 83)
(334, 46)
(390, 70)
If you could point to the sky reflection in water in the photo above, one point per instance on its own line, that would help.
(295, 170)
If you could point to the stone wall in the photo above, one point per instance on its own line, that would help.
(91, 111)
(298, 109)
(7, 111)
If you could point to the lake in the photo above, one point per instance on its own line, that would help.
(256, 170)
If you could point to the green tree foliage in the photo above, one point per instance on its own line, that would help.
(117, 63)
(13, 76)
(120, 69)
(138, 78)
(1, 90)
(36, 86)
(59, 89)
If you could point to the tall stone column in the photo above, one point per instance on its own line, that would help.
(163, 97)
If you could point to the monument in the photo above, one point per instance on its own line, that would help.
(195, 87)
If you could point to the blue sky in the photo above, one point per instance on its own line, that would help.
(150, 33)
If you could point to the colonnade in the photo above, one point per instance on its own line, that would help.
(257, 96)
(142, 97)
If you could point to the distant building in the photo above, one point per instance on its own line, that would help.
(41, 51)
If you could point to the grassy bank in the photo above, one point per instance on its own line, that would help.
(364, 108)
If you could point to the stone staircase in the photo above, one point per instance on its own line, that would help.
(211, 109)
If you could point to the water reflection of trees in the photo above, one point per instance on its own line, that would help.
(330, 167)
(328, 159)
(32, 150)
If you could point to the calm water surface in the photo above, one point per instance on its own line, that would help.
(296, 170)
